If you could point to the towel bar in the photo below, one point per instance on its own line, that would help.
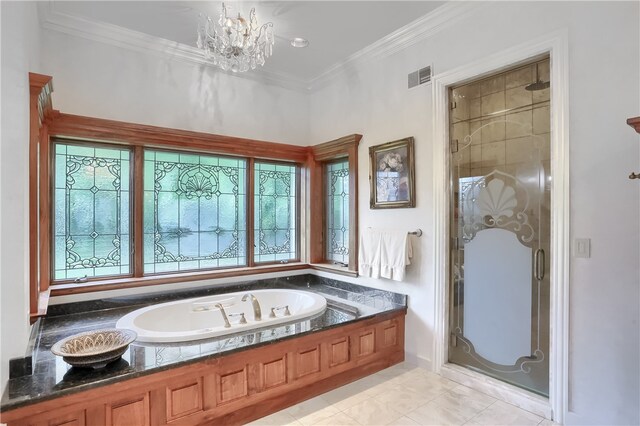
(417, 233)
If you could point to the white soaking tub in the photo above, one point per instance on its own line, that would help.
(199, 318)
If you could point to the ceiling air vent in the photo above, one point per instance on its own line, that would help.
(420, 77)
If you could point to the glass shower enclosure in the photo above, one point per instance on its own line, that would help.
(500, 226)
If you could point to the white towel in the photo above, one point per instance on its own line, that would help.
(384, 253)
(369, 253)
(396, 254)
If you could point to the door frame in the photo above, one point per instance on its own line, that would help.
(556, 46)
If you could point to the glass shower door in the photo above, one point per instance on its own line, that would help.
(500, 227)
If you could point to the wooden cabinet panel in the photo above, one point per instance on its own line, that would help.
(389, 335)
(274, 373)
(308, 361)
(133, 411)
(184, 398)
(231, 385)
(77, 418)
(365, 343)
(338, 352)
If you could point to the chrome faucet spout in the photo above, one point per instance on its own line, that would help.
(227, 324)
(257, 312)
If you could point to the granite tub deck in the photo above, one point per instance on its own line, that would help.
(52, 377)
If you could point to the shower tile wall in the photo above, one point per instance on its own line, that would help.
(499, 99)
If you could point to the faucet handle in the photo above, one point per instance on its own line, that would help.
(279, 308)
(243, 320)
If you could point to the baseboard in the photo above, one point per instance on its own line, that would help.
(419, 361)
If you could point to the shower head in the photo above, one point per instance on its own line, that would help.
(539, 84)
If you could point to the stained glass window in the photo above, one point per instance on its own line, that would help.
(194, 211)
(91, 220)
(337, 205)
(275, 213)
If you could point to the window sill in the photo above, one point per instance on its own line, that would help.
(120, 283)
(336, 269)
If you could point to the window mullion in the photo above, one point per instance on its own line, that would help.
(250, 211)
(137, 211)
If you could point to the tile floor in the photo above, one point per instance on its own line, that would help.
(403, 395)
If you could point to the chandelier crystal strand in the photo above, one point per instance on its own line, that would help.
(234, 44)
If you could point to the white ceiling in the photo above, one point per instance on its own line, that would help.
(335, 29)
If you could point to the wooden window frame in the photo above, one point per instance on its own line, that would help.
(132, 203)
(298, 222)
(138, 138)
(48, 125)
(319, 157)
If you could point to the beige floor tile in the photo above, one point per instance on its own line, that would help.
(404, 399)
(373, 412)
(546, 422)
(434, 414)
(340, 419)
(463, 401)
(346, 396)
(312, 411)
(501, 413)
(398, 373)
(437, 380)
(427, 389)
(403, 395)
(404, 421)
(281, 418)
(373, 385)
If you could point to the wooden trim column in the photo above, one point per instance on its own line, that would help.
(40, 88)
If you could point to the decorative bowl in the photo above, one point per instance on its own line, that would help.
(94, 349)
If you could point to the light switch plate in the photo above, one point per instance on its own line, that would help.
(582, 247)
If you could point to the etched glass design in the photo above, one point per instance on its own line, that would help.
(275, 212)
(91, 234)
(194, 211)
(337, 205)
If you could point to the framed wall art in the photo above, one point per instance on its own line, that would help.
(392, 176)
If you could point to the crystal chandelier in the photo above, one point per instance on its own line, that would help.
(233, 43)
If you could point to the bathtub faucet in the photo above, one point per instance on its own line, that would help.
(224, 315)
(257, 312)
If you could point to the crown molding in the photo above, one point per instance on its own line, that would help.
(421, 29)
(115, 35)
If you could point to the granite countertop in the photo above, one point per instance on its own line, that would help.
(52, 377)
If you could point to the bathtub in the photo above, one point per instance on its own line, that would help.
(199, 318)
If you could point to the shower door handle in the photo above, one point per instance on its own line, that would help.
(539, 264)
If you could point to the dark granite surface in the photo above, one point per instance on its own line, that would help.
(52, 377)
